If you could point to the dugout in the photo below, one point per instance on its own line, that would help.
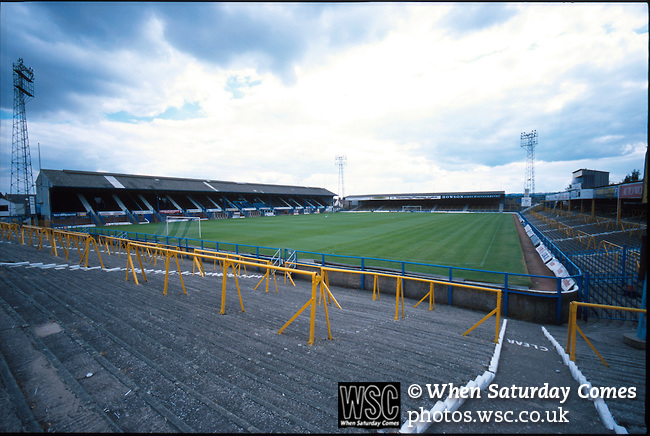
(67, 198)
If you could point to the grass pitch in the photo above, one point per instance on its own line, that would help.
(473, 241)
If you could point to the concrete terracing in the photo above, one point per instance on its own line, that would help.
(85, 350)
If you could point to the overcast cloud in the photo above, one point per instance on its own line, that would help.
(422, 97)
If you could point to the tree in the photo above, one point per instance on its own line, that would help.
(632, 177)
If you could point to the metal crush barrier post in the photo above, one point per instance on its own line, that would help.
(399, 294)
(572, 327)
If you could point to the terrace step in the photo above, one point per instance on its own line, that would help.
(189, 368)
(56, 399)
(529, 360)
(238, 376)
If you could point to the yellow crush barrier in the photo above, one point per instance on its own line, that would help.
(564, 229)
(88, 241)
(583, 236)
(233, 256)
(608, 248)
(229, 262)
(153, 250)
(573, 326)
(606, 222)
(291, 265)
(8, 230)
(113, 243)
(36, 232)
(267, 276)
(226, 256)
(632, 227)
(315, 280)
(375, 289)
(399, 294)
(432, 301)
(64, 238)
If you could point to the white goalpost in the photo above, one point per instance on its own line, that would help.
(181, 219)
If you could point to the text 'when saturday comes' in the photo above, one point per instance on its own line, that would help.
(438, 391)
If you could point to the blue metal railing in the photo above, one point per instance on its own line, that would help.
(609, 278)
(612, 279)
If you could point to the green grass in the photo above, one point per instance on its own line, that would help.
(476, 241)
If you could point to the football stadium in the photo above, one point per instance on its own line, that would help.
(139, 303)
(135, 300)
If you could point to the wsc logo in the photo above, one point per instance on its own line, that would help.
(369, 404)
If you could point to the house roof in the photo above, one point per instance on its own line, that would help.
(100, 180)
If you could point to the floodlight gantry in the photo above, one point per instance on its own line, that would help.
(528, 142)
(341, 161)
(22, 178)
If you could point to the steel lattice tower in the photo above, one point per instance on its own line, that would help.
(528, 141)
(22, 179)
(341, 161)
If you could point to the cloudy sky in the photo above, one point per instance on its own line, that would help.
(422, 97)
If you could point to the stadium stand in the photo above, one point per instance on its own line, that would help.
(119, 360)
(77, 198)
(431, 202)
(607, 251)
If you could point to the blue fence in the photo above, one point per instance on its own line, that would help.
(611, 278)
(507, 282)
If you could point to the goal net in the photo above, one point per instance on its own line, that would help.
(183, 226)
(411, 208)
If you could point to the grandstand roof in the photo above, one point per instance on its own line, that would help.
(99, 180)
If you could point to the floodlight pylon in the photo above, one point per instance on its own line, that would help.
(341, 161)
(528, 142)
(22, 178)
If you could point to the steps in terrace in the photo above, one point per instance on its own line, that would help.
(172, 363)
(627, 367)
(613, 275)
(528, 360)
(599, 232)
(127, 358)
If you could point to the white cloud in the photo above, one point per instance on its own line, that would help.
(426, 105)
